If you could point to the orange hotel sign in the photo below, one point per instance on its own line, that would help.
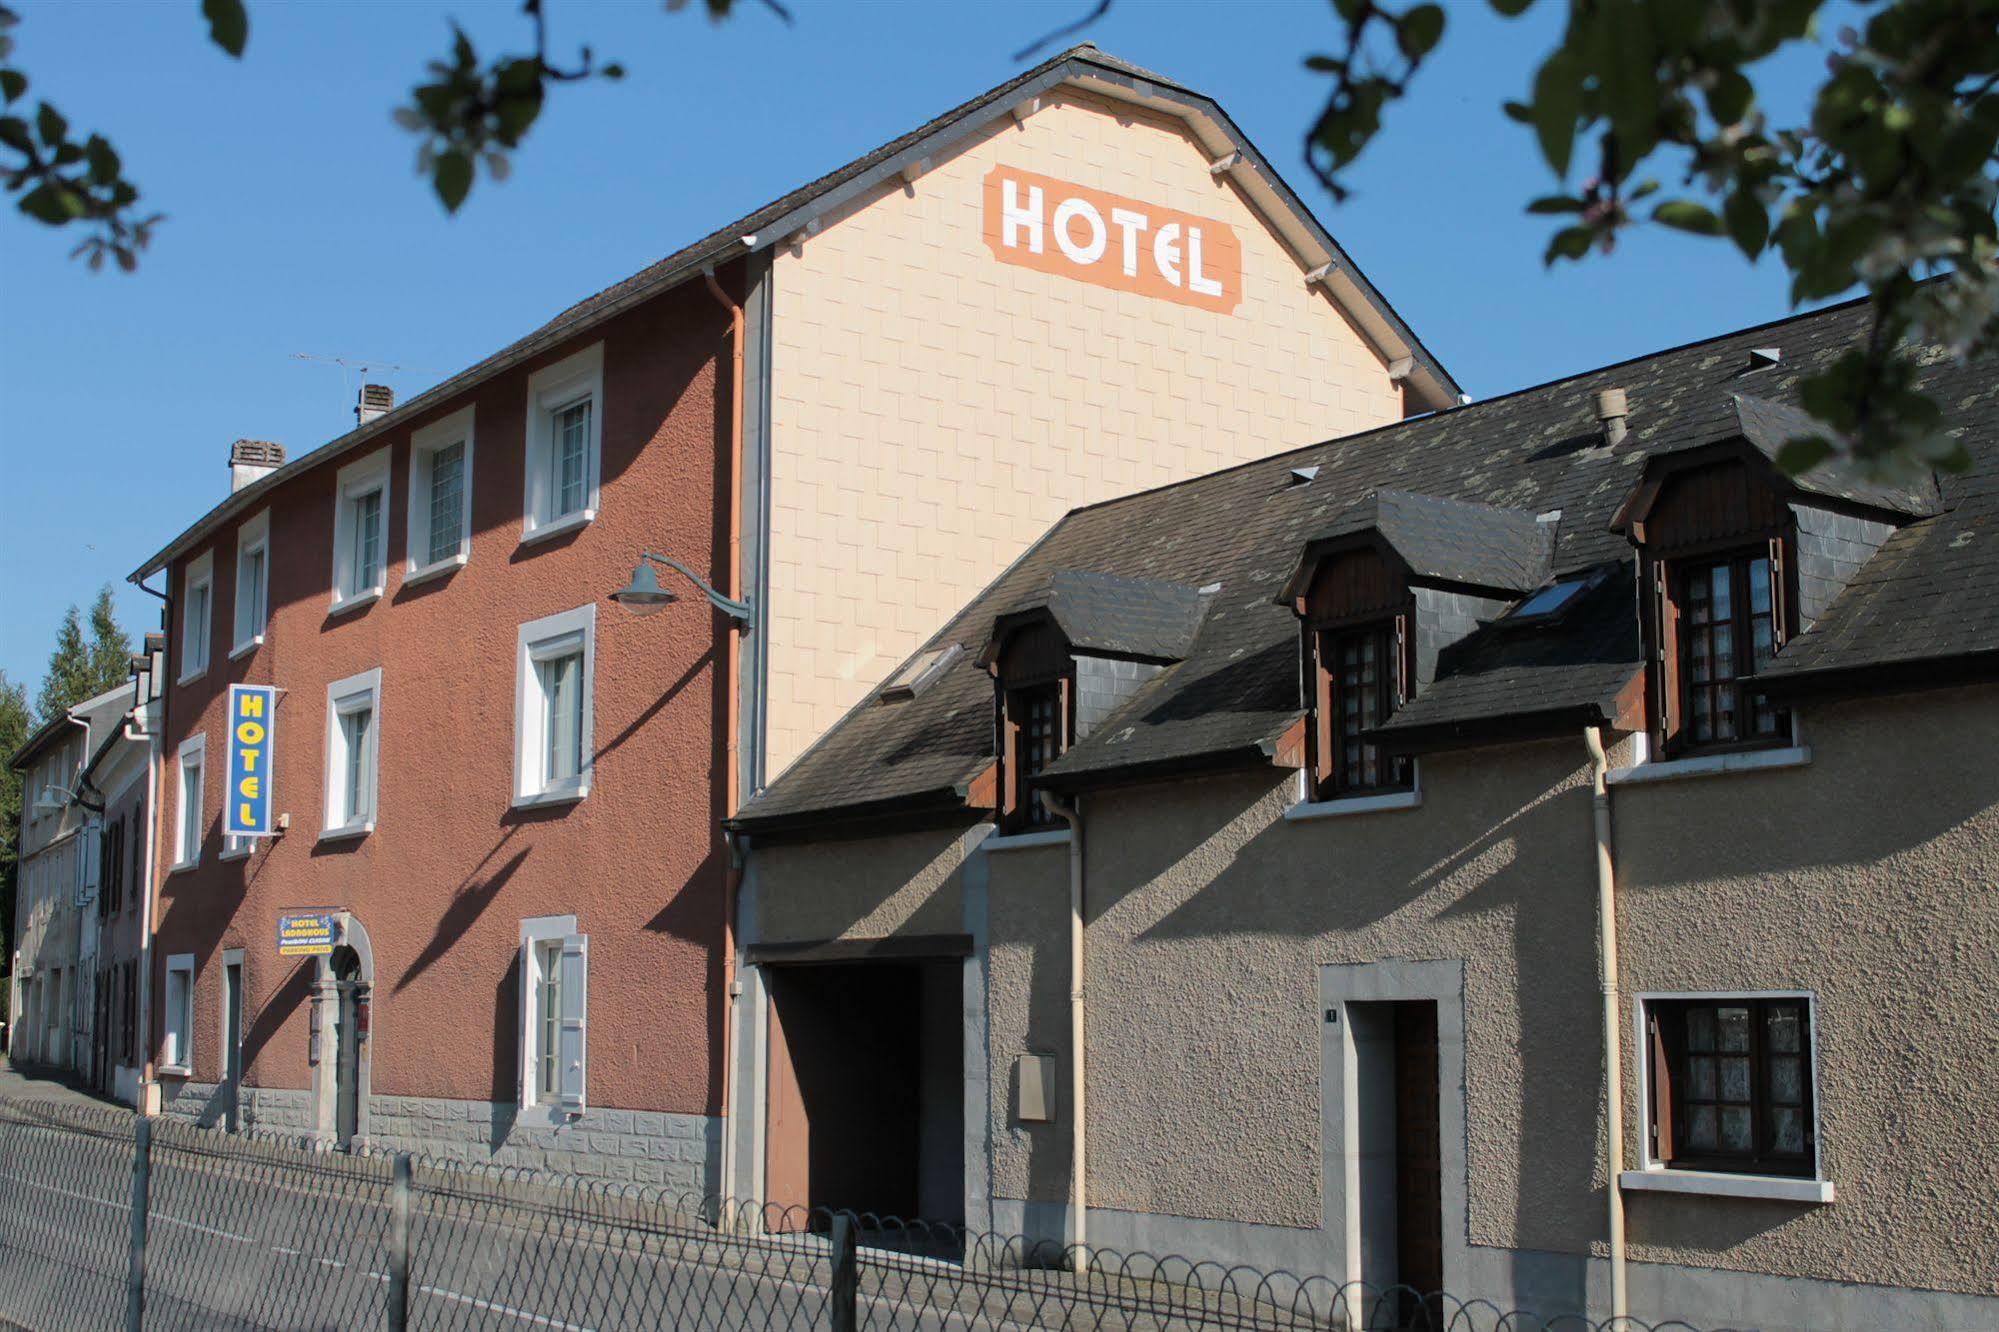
(1054, 226)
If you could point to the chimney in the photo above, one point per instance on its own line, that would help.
(376, 400)
(1611, 409)
(250, 459)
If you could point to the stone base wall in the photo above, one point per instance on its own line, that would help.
(680, 1153)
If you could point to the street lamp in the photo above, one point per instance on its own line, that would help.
(643, 595)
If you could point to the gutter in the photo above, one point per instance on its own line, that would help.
(732, 709)
(1079, 1159)
(1613, 1045)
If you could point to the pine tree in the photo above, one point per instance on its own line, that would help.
(66, 683)
(15, 726)
(110, 645)
(80, 670)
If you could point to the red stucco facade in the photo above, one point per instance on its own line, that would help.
(449, 871)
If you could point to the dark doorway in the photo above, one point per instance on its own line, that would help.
(1400, 1176)
(350, 996)
(1419, 1200)
(866, 1090)
(232, 1045)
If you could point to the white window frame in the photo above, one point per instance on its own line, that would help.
(355, 481)
(1655, 1176)
(194, 747)
(424, 447)
(195, 644)
(537, 933)
(252, 538)
(177, 1046)
(342, 697)
(550, 390)
(540, 639)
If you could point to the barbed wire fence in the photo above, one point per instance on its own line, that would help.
(108, 1221)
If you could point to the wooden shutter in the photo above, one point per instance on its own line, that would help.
(1780, 594)
(1662, 1090)
(1322, 713)
(523, 1045)
(575, 1005)
(1009, 726)
(1666, 655)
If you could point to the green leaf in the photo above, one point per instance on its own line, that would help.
(228, 24)
(104, 162)
(14, 133)
(1569, 243)
(1556, 203)
(1558, 101)
(1729, 100)
(1511, 8)
(452, 179)
(12, 83)
(1686, 215)
(1798, 456)
(1419, 30)
(1748, 222)
(52, 204)
(50, 124)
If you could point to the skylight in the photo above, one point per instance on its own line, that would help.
(919, 672)
(1554, 599)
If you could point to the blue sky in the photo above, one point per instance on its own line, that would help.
(296, 224)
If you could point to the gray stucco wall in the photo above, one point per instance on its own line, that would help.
(871, 888)
(1871, 879)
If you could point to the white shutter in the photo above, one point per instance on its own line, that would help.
(575, 1004)
(524, 1034)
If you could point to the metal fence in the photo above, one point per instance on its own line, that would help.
(107, 1221)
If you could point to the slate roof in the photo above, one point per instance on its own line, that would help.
(1457, 541)
(1932, 591)
(786, 212)
(1141, 618)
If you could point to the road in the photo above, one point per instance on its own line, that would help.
(242, 1237)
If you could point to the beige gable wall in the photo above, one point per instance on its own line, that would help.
(935, 410)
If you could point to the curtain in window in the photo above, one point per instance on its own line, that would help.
(572, 444)
(562, 717)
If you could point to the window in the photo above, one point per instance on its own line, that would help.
(128, 1026)
(196, 609)
(188, 807)
(110, 900)
(177, 1023)
(564, 433)
(353, 744)
(1728, 631)
(554, 968)
(253, 571)
(1731, 1084)
(553, 708)
(1362, 671)
(360, 536)
(440, 519)
(1037, 733)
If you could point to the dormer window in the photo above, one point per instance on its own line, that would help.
(1035, 724)
(1065, 662)
(1716, 547)
(1364, 678)
(1358, 616)
(1728, 630)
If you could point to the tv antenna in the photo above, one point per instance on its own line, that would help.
(352, 366)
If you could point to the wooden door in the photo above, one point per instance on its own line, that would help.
(787, 1131)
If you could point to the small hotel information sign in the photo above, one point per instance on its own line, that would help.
(305, 934)
(246, 808)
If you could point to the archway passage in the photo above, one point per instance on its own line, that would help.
(349, 1019)
(866, 1089)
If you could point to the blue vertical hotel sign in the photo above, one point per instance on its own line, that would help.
(252, 720)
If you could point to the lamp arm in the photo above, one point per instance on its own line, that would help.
(738, 611)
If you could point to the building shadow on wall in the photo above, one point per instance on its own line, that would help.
(467, 904)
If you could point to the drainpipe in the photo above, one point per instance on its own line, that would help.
(732, 708)
(1613, 1045)
(155, 779)
(1078, 1138)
